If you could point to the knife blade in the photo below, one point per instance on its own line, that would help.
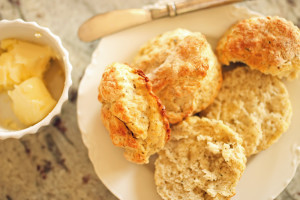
(117, 20)
(107, 23)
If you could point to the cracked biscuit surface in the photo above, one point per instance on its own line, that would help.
(184, 71)
(255, 105)
(204, 160)
(132, 113)
(268, 44)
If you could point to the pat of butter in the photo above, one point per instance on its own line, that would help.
(31, 101)
(22, 60)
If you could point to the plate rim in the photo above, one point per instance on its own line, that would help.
(94, 54)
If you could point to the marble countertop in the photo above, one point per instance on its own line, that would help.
(53, 163)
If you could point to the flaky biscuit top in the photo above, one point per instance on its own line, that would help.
(132, 113)
(268, 44)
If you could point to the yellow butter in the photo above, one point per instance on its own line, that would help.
(21, 60)
(31, 101)
(5, 64)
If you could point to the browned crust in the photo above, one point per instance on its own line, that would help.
(135, 157)
(188, 113)
(120, 134)
(176, 68)
(160, 105)
(112, 85)
(267, 44)
(115, 125)
(187, 51)
(190, 48)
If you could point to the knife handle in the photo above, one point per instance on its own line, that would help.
(175, 8)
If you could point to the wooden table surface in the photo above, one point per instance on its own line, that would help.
(53, 163)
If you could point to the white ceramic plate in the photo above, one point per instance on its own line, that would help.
(266, 174)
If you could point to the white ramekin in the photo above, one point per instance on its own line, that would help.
(32, 32)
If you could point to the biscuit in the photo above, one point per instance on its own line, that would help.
(268, 44)
(204, 159)
(184, 71)
(132, 113)
(255, 105)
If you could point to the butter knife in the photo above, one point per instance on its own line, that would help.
(117, 20)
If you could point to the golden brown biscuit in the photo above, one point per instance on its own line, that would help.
(184, 71)
(132, 113)
(255, 105)
(268, 44)
(203, 160)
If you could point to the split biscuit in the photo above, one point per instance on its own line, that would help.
(268, 44)
(132, 113)
(203, 160)
(184, 71)
(255, 105)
